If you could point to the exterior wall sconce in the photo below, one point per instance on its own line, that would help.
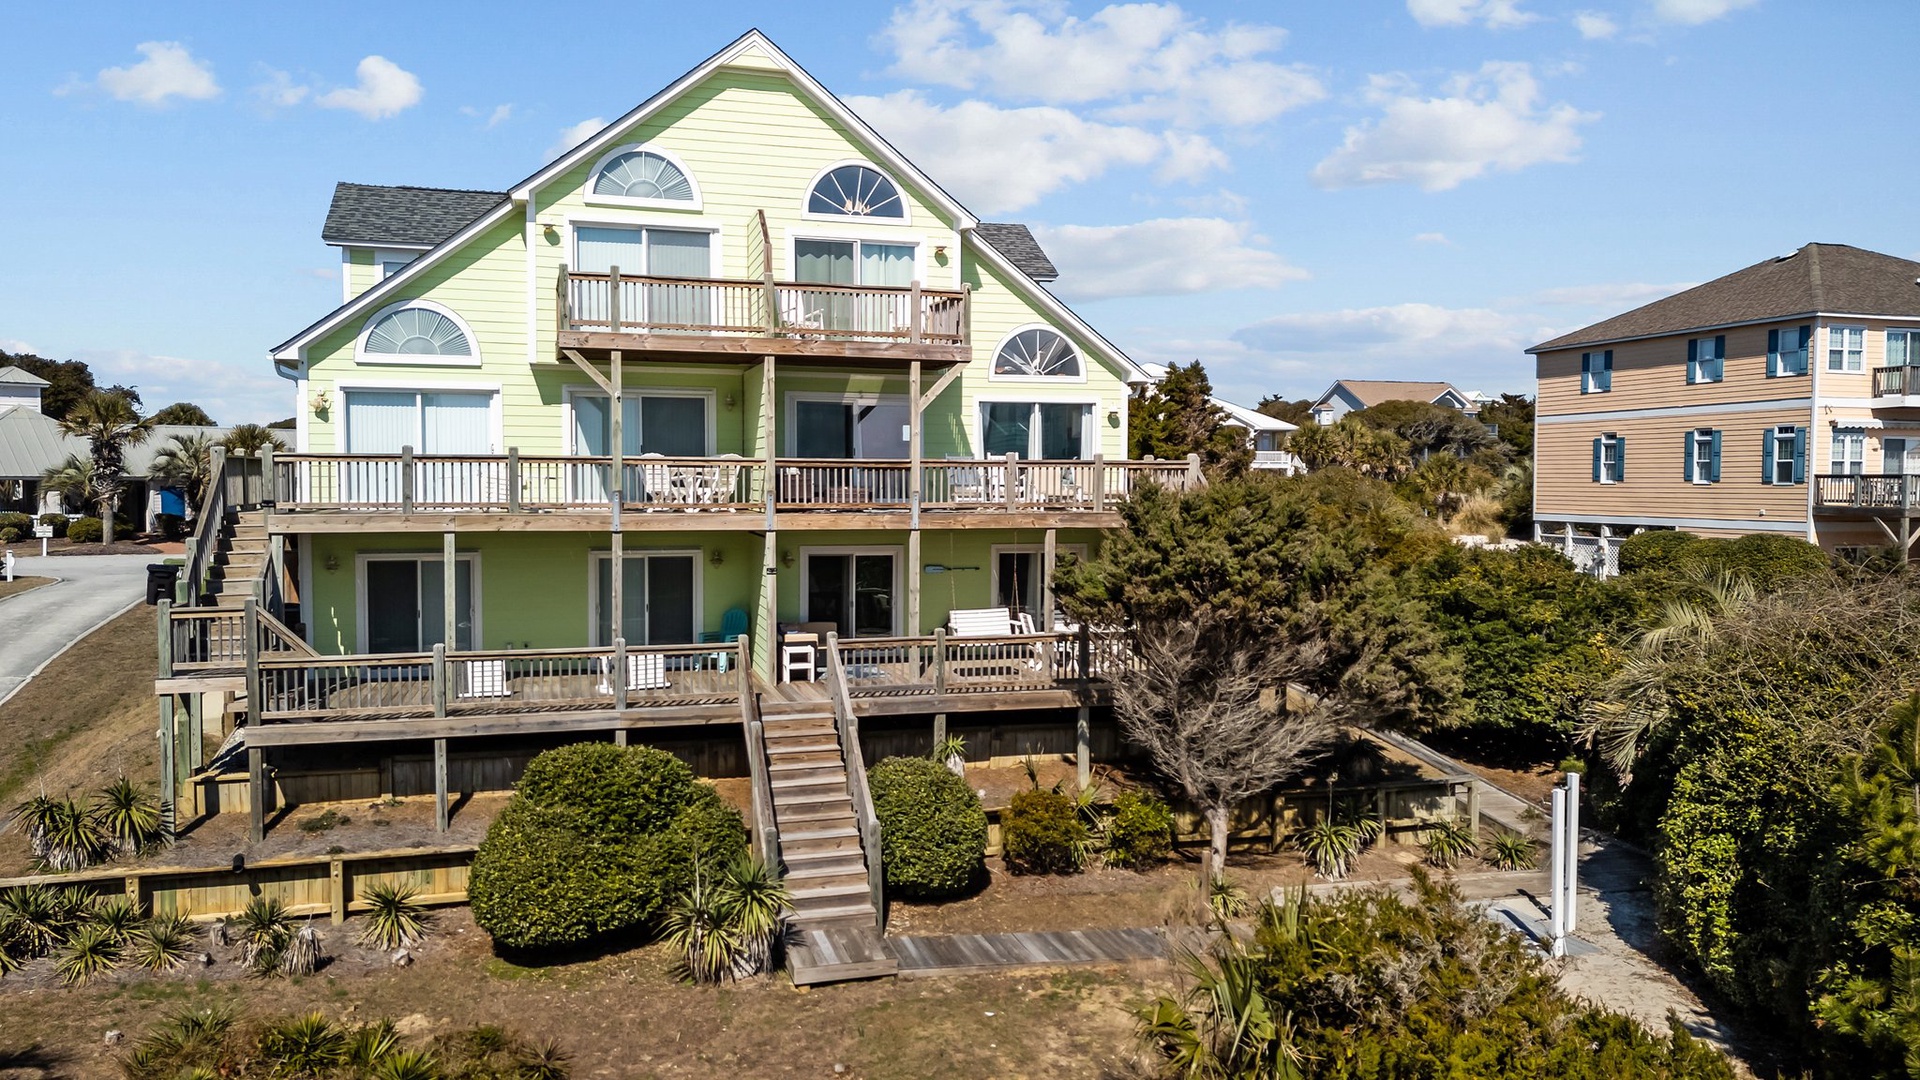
(940, 251)
(717, 557)
(332, 563)
(1113, 417)
(321, 401)
(727, 401)
(786, 558)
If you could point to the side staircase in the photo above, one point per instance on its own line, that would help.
(240, 556)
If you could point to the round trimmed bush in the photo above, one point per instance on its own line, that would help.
(596, 841)
(58, 521)
(933, 832)
(1041, 833)
(1140, 832)
(1664, 549)
(20, 523)
(84, 530)
(9, 535)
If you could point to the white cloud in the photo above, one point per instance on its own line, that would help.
(1137, 61)
(1055, 147)
(1165, 257)
(1432, 238)
(16, 347)
(575, 134)
(1616, 295)
(1496, 14)
(280, 91)
(1300, 353)
(234, 391)
(385, 90)
(1491, 119)
(499, 115)
(1595, 25)
(168, 71)
(1695, 12)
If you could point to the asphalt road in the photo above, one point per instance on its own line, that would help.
(36, 625)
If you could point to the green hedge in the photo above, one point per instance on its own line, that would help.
(84, 530)
(58, 521)
(20, 523)
(933, 831)
(1140, 832)
(596, 841)
(1768, 560)
(1041, 833)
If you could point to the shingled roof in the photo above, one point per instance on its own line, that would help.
(374, 214)
(1819, 278)
(1016, 242)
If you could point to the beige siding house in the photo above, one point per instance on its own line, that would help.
(1770, 400)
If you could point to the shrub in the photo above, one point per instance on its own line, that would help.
(1330, 847)
(1768, 561)
(1042, 834)
(19, 523)
(1660, 550)
(933, 832)
(1140, 832)
(1512, 851)
(58, 521)
(596, 840)
(170, 526)
(1447, 842)
(9, 536)
(394, 919)
(84, 530)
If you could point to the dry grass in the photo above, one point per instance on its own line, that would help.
(22, 584)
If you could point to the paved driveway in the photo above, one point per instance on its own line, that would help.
(36, 625)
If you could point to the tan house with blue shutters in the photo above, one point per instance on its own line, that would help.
(1770, 400)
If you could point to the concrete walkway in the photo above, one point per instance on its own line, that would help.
(39, 624)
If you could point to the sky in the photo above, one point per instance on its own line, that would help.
(1289, 192)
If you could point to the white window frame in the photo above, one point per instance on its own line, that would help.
(1856, 439)
(568, 429)
(716, 255)
(1698, 471)
(383, 256)
(1089, 432)
(696, 204)
(1913, 345)
(899, 554)
(360, 561)
(600, 559)
(1774, 460)
(917, 243)
(362, 356)
(1858, 361)
(496, 436)
(1610, 443)
(806, 196)
(1887, 459)
(790, 407)
(994, 552)
(993, 358)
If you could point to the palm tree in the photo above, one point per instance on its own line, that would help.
(72, 480)
(247, 440)
(184, 464)
(110, 425)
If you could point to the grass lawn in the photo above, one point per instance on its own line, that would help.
(22, 584)
(625, 1015)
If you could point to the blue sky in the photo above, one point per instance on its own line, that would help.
(1291, 192)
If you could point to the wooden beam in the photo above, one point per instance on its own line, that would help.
(770, 612)
(617, 565)
(256, 792)
(440, 814)
(914, 409)
(169, 792)
(933, 392)
(1082, 747)
(592, 372)
(449, 591)
(1049, 554)
(730, 349)
(913, 628)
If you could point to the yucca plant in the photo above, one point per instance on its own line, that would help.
(265, 931)
(32, 818)
(1330, 847)
(309, 1045)
(754, 902)
(394, 919)
(303, 953)
(116, 915)
(544, 1061)
(90, 951)
(1227, 899)
(407, 1065)
(40, 917)
(1446, 843)
(190, 1043)
(1512, 851)
(127, 817)
(698, 928)
(370, 1044)
(162, 943)
(61, 834)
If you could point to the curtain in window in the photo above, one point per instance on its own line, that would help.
(1062, 430)
(679, 255)
(598, 250)
(886, 264)
(380, 422)
(674, 426)
(1006, 428)
(829, 262)
(456, 423)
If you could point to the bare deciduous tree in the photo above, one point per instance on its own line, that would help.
(1221, 727)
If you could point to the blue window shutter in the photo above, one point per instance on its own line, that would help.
(1693, 360)
(1714, 472)
(1619, 458)
(1766, 456)
(1686, 459)
(1719, 357)
(1606, 377)
(1800, 359)
(1800, 455)
(1586, 372)
(1596, 461)
(1773, 353)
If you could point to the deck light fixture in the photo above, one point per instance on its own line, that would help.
(717, 557)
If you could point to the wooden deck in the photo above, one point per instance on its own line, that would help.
(840, 954)
(973, 954)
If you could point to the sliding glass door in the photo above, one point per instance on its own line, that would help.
(1035, 429)
(671, 425)
(455, 423)
(857, 591)
(659, 599)
(403, 599)
(851, 262)
(650, 252)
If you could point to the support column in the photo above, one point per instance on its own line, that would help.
(769, 615)
(169, 792)
(1049, 552)
(617, 593)
(1906, 538)
(913, 582)
(914, 426)
(770, 559)
(256, 794)
(450, 592)
(1083, 747)
(196, 731)
(440, 784)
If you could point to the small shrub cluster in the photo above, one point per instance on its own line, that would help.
(1139, 831)
(65, 835)
(596, 841)
(15, 527)
(933, 831)
(85, 530)
(1767, 560)
(1041, 833)
(729, 925)
(87, 935)
(1332, 843)
(216, 1042)
(270, 942)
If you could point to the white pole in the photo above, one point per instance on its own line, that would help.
(1556, 945)
(9, 565)
(1573, 849)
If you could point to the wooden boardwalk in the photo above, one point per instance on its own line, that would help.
(969, 954)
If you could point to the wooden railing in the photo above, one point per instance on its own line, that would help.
(201, 639)
(517, 483)
(1896, 381)
(847, 724)
(617, 303)
(444, 683)
(205, 541)
(1855, 491)
(947, 664)
(766, 827)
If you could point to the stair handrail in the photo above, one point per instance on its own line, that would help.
(290, 643)
(766, 830)
(206, 530)
(848, 727)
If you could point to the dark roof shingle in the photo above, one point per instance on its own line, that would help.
(374, 214)
(1835, 278)
(1016, 242)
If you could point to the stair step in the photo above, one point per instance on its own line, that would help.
(795, 746)
(778, 727)
(823, 863)
(817, 915)
(803, 835)
(806, 759)
(791, 849)
(834, 779)
(830, 892)
(800, 817)
(828, 883)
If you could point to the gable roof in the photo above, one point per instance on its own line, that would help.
(1816, 279)
(13, 376)
(31, 442)
(401, 216)
(1371, 392)
(1253, 419)
(1016, 242)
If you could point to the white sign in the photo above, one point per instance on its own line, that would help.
(43, 532)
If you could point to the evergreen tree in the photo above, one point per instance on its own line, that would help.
(1177, 417)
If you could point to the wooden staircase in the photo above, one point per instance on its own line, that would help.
(241, 557)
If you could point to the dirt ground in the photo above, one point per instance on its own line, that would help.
(1516, 771)
(22, 584)
(624, 1015)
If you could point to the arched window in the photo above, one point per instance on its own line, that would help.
(417, 328)
(856, 191)
(1037, 353)
(642, 174)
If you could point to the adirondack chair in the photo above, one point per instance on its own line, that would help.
(733, 625)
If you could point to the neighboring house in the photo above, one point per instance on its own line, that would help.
(1348, 395)
(1265, 434)
(20, 389)
(1779, 398)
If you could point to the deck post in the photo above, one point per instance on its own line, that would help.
(450, 592)
(913, 582)
(267, 492)
(1473, 808)
(1906, 534)
(769, 615)
(406, 479)
(617, 447)
(613, 302)
(196, 731)
(256, 794)
(1083, 747)
(182, 755)
(440, 679)
(1098, 496)
(916, 324)
(169, 791)
(914, 464)
(250, 646)
(1194, 475)
(619, 670)
(440, 784)
(337, 891)
(513, 479)
(940, 662)
(1011, 482)
(1049, 553)
(164, 629)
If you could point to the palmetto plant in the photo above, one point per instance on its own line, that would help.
(371, 1044)
(110, 425)
(1447, 842)
(117, 916)
(698, 929)
(247, 440)
(1222, 1026)
(309, 1045)
(184, 464)
(61, 834)
(265, 931)
(72, 480)
(127, 816)
(1227, 899)
(162, 943)
(190, 1042)
(394, 919)
(36, 918)
(407, 1065)
(90, 951)
(755, 902)
(1512, 851)
(1330, 847)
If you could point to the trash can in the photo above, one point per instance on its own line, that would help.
(160, 581)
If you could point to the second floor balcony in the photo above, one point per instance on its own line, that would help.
(1898, 385)
(737, 318)
(1891, 494)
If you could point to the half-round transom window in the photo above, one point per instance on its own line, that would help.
(640, 174)
(1037, 352)
(856, 191)
(418, 331)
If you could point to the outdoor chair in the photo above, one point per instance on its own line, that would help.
(733, 626)
(645, 671)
